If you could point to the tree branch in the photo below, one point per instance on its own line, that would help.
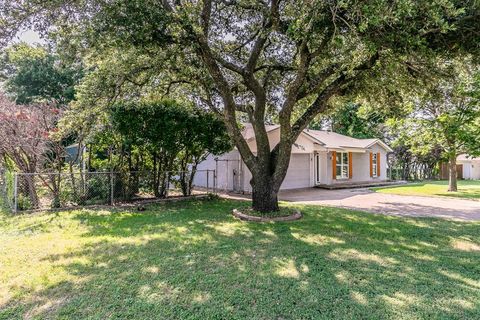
(321, 102)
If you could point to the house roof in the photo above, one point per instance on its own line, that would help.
(327, 139)
(466, 157)
(249, 134)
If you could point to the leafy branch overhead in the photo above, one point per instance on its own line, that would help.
(253, 58)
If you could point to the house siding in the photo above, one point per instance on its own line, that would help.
(299, 173)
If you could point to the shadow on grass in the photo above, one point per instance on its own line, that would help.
(193, 260)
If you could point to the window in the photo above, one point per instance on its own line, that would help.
(374, 165)
(342, 165)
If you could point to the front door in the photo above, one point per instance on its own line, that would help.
(316, 170)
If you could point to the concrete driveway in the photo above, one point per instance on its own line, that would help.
(367, 200)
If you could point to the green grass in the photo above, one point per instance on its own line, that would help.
(467, 189)
(192, 260)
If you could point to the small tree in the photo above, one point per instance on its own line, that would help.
(202, 133)
(26, 138)
(174, 135)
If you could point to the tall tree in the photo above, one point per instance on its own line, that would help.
(292, 57)
(32, 73)
(445, 116)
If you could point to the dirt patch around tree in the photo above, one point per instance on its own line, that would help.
(248, 214)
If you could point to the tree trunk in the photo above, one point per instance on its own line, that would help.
(452, 173)
(264, 196)
(32, 191)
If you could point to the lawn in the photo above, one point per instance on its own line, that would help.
(192, 260)
(468, 189)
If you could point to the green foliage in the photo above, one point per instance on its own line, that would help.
(35, 74)
(287, 60)
(445, 114)
(24, 202)
(167, 136)
(354, 120)
(169, 127)
(150, 44)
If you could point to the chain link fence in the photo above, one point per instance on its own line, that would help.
(32, 191)
(6, 190)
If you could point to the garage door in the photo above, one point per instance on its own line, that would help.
(298, 174)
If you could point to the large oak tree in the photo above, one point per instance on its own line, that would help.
(288, 57)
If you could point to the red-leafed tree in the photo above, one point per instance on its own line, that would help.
(26, 139)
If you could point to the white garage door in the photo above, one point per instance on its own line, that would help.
(298, 174)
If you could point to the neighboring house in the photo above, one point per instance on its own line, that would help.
(72, 153)
(469, 166)
(318, 158)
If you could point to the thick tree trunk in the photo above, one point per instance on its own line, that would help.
(452, 173)
(264, 196)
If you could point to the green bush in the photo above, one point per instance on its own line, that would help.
(23, 202)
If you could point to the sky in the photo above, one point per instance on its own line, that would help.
(28, 36)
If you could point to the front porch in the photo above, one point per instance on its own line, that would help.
(349, 168)
(359, 184)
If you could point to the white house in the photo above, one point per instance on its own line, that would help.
(470, 166)
(319, 158)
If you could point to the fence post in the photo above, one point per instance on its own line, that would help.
(215, 181)
(15, 193)
(111, 188)
(208, 171)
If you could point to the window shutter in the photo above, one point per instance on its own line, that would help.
(350, 165)
(378, 164)
(334, 164)
(371, 165)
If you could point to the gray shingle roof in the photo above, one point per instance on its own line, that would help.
(327, 139)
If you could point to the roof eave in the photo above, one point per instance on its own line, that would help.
(381, 143)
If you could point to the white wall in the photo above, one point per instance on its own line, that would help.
(224, 171)
(200, 180)
(476, 170)
(471, 169)
(361, 165)
(300, 173)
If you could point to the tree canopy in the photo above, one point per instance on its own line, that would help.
(444, 117)
(291, 58)
(170, 137)
(32, 73)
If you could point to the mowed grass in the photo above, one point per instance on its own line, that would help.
(192, 260)
(468, 189)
